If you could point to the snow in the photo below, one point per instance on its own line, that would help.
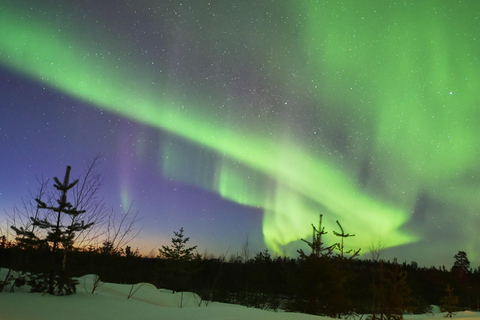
(147, 302)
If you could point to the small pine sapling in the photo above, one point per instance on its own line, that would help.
(340, 291)
(178, 261)
(55, 236)
(449, 302)
(178, 249)
(316, 244)
(392, 293)
(341, 247)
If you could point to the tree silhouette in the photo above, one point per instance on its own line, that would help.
(341, 247)
(462, 273)
(60, 225)
(449, 302)
(178, 249)
(316, 244)
(461, 264)
(341, 301)
(177, 261)
(393, 295)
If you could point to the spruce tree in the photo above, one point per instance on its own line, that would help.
(316, 244)
(177, 261)
(341, 246)
(315, 280)
(392, 294)
(60, 226)
(178, 249)
(341, 302)
(449, 302)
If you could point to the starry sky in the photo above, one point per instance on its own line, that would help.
(236, 119)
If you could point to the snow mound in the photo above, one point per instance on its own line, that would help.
(144, 292)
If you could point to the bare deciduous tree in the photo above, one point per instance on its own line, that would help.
(120, 229)
(246, 250)
(376, 248)
(87, 196)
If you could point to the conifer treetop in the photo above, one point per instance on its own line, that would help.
(178, 249)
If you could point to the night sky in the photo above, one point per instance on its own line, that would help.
(250, 118)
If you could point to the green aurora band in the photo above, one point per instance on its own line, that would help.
(397, 81)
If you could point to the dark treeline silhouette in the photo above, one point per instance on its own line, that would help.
(318, 284)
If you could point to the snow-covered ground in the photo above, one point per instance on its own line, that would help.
(110, 302)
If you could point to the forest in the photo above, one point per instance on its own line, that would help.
(323, 280)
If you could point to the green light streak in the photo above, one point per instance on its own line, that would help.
(411, 67)
(407, 70)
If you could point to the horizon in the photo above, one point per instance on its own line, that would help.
(236, 120)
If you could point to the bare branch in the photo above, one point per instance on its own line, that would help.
(376, 248)
(86, 196)
(120, 230)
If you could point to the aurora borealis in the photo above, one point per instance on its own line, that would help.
(255, 117)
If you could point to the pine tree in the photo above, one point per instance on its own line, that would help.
(178, 249)
(379, 293)
(392, 293)
(59, 236)
(341, 301)
(316, 244)
(341, 246)
(463, 276)
(449, 302)
(461, 265)
(178, 261)
(316, 278)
